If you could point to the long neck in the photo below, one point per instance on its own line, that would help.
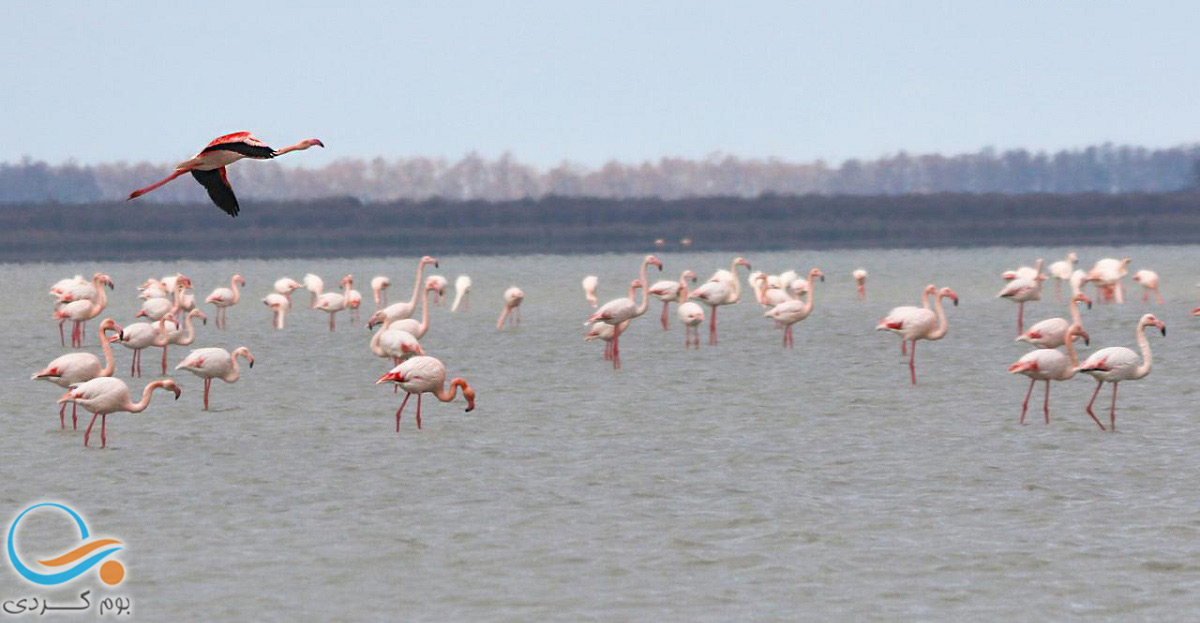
(1075, 313)
(109, 362)
(233, 285)
(290, 148)
(645, 290)
(943, 325)
(737, 282)
(425, 312)
(1143, 343)
(190, 331)
(417, 285)
(161, 338)
(812, 294)
(1074, 358)
(375, 348)
(448, 394)
(235, 372)
(101, 295)
(139, 406)
(925, 299)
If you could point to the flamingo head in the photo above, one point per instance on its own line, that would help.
(375, 320)
(429, 260)
(1076, 330)
(816, 272)
(650, 259)
(947, 292)
(347, 280)
(689, 275)
(636, 284)
(1196, 312)
(1149, 320)
(741, 261)
(1125, 262)
(1082, 298)
(469, 394)
(170, 386)
(311, 142)
(196, 313)
(1008, 275)
(240, 281)
(1071, 257)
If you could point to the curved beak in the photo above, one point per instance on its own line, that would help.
(1087, 339)
(469, 394)
(251, 361)
(175, 388)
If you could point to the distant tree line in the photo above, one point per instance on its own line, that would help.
(1099, 169)
(346, 227)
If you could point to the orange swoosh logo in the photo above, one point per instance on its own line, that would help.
(79, 552)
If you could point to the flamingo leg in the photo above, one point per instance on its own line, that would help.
(1046, 404)
(331, 317)
(1159, 295)
(74, 416)
(1099, 384)
(164, 360)
(1112, 412)
(712, 327)
(616, 342)
(1025, 405)
(62, 338)
(912, 362)
(401, 409)
(104, 430)
(141, 191)
(62, 417)
(207, 385)
(903, 347)
(87, 435)
(1020, 318)
(419, 411)
(665, 321)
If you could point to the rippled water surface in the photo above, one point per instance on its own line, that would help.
(739, 482)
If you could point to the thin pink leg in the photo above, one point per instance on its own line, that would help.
(903, 347)
(665, 322)
(1025, 405)
(62, 417)
(712, 328)
(1112, 412)
(74, 416)
(912, 362)
(1020, 318)
(62, 336)
(1046, 404)
(401, 409)
(1093, 400)
(331, 316)
(164, 359)
(88, 433)
(104, 430)
(207, 385)
(419, 411)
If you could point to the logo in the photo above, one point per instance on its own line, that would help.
(66, 567)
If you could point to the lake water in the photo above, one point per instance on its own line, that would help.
(737, 482)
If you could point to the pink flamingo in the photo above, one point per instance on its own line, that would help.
(175, 335)
(208, 166)
(512, 302)
(215, 363)
(1047, 364)
(333, 302)
(1062, 271)
(897, 313)
(617, 311)
(353, 298)
(418, 329)
(605, 332)
(439, 284)
(791, 312)
(83, 310)
(1117, 363)
(691, 315)
(589, 289)
(920, 324)
(668, 291)
(379, 286)
(73, 368)
(140, 336)
(1107, 274)
(425, 374)
(860, 279)
(1023, 289)
(225, 298)
(400, 311)
(1052, 332)
(106, 395)
(462, 287)
(279, 305)
(392, 343)
(1149, 281)
(724, 288)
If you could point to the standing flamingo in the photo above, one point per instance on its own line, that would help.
(605, 332)
(1052, 332)
(395, 344)
(208, 166)
(225, 298)
(332, 302)
(512, 303)
(353, 298)
(791, 312)
(1107, 274)
(667, 291)
(1061, 271)
(176, 335)
(860, 279)
(287, 285)
(462, 287)
(140, 336)
(426, 374)
(418, 329)
(1149, 281)
(83, 310)
(1023, 289)
(106, 395)
(215, 363)
(72, 368)
(589, 289)
(616, 312)
(400, 311)
(279, 305)
(1117, 363)
(920, 324)
(1047, 364)
(720, 290)
(379, 286)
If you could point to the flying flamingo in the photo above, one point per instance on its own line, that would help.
(720, 290)
(426, 374)
(140, 336)
(667, 291)
(379, 286)
(860, 278)
(1023, 289)
(1117, 363)
(920, 324)
(73, 368)
(462, 287)
(512, 303)
(224, 298)
(589, 289)
(208, 166)
(279, 305)
(400, 311)
(106, 395)
(215, 363)
(1149, 281)
(1061, 271)
(1047, 364)
(83, 310)
(605, 332)
(1052, 332)
(791, 312)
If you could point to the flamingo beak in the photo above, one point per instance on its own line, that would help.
(175, 388)
(1087, 339)
(1163, 327)
(469, 394)
(318, 143)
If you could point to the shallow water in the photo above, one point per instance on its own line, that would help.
(739, 482)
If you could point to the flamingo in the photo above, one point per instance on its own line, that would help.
(279, 305)
(897, 314)
(1117, 363)
(691, 315)
(379, 286)
(512, 303)
(860, 278)
(1061, 271)
(767, 295)
(353, 298)
(462, 287)
(589, 289)
(722, 289)
(215, 363)
(175, 335)
(208, 166)
(605, 332)
(106, 395)
(140, 336)
(82, 310)
(667, 291)
(1047, 364)
(919, 324)
(791, 312)
(439, 287)
(1149, 281)
(418, 329)
(152, 289)
(618, 311)
(392, 343)
(63, 288)
(1107, 274)
(424, 374)
(315, 286)
(224, 298)
(333, 302)
(400, 311)
(286, 285)
(1023, 289)
(1052, 332)
(73, 368)
(156, 308)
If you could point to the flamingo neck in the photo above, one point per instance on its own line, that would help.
(424, 326)
(139, 406)
(1144, 344)
(1071, 354)
(233, 285)
(106, 346)
(302, 145)
(1074, 309)
(943, 324)
(236, 371)
(189, 331)
(737, 282)
(448, 394)
(812, 295)
(412, 301)
(161, 338)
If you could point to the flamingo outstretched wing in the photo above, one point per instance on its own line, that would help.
(218, 189)
(243, 143)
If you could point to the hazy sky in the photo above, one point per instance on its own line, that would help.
(592, 81)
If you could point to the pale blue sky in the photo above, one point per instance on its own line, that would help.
(592, 81)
